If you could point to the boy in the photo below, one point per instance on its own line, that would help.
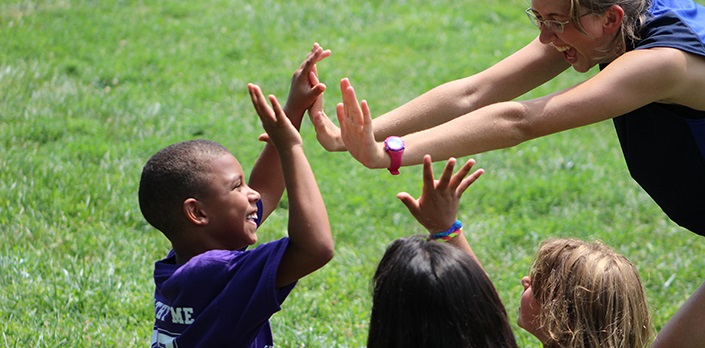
(210, 291)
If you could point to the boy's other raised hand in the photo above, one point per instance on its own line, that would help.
(437, 207)
(305, 88)
(280, 130)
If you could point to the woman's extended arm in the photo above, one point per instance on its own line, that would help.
(517, 74)
(622, 86)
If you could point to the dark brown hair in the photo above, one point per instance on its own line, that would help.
(431, 294)
(173, 174)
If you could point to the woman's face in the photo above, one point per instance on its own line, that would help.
(580, 50)
(529, 310)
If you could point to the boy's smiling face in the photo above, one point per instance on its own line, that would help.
(229, 205)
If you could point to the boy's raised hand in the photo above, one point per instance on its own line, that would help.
(305, 88)
(437, 207)
(280, 130)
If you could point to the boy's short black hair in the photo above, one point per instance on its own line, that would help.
(172, 175)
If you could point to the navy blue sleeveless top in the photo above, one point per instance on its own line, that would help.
(664, 144)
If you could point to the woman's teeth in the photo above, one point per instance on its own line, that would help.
(560, 48)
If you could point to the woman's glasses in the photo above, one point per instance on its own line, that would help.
(552, 25)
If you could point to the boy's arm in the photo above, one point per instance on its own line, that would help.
(687, 327)
(266, 176)
(437, 207)
(310, 240)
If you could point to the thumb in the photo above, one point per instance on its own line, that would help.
(317, 120)
(264, 137)
(318, 89)
(313, 76)
(409, 202)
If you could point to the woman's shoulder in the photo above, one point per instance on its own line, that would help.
(674, 24)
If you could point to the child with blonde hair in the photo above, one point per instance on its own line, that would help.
(581, 294)
(578, 294)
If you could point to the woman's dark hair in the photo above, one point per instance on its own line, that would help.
(431, 294)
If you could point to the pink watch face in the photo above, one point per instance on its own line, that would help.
(395, 148)
(394, 144)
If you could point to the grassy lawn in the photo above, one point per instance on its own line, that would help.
(91, 89)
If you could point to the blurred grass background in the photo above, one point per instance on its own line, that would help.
(90, 89)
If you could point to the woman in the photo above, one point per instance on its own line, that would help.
(651, 82)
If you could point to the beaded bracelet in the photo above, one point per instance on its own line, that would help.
(448, 234)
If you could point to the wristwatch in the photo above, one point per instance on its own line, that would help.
(395, 148)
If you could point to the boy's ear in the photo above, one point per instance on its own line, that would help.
(194, 212)
(614, 16)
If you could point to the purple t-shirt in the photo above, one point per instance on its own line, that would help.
(221, 298)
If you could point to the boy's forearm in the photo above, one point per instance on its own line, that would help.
(310, 239)
(295, 116)
(266, 176)
(309, 218)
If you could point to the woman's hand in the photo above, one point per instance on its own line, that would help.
(356, 129)
(327, 133)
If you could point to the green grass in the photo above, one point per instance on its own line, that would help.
(90, 89)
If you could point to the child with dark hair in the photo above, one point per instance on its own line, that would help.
(210, 290)
(429, 294)
(432, 294)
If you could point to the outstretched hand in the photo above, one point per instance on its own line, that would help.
(306, 90)
(437, 207)
(327, 133)
(280, 131)
(356, 129)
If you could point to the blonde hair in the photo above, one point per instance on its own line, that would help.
(635, 15)
(589, 296)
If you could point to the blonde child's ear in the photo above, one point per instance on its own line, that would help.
(194, 212)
